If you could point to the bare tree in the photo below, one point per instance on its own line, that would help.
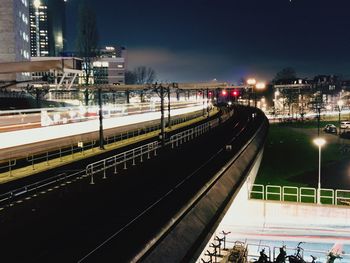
(87, 38)
(130, 77)
(144, 75)
(285, 74)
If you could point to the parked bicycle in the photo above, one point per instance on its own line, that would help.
(298, 257)
(332, 257)
(281, 258)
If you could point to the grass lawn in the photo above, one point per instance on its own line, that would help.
(290, 152)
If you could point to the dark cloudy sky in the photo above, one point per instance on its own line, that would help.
(199, 40)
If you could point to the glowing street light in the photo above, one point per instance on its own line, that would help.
(319, 142)
(37, 4)
(251, 82)
(340, 105)
(277, 93)
(259, 86)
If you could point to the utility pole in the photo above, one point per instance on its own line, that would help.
(162, 128)
(159, 89)
(318, 119)
(208, 110)
(203, 97)
(169, 106)
(127, 94)
(86, 96)
(100, 118)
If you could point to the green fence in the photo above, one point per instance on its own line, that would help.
(299, 194)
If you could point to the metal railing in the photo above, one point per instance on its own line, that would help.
(9, 166)
(189, 134)
(61, 152)
(121, 158)
(299, 194)
(7, 199)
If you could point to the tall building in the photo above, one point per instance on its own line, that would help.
(47, 27)
(14, 35)
(110, 66)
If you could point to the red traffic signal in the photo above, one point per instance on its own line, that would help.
(224, 93)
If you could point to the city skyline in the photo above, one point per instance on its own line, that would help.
(203, 40)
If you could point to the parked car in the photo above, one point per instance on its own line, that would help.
(345, 135)
(330, 128)
(345, 125)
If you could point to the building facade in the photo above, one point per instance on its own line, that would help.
(14, 35)
(110, 66)
(47, 27)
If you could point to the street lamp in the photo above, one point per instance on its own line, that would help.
(259, 86)
(340, 105)
(37, 3)
(277, 93)
(319, 142)
(251, 83)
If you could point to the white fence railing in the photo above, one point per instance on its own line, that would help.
(121, 158)
(131, 155)
(299, 194)
(189, 134)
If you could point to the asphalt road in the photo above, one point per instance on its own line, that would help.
(65, 224)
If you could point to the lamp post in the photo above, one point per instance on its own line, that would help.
(319, 142)
(340, 105)
(251, 83)
(277, 93)
(259, 86)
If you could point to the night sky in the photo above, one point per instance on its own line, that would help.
(201, 40)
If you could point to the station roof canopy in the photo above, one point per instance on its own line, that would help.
(72, 65)
(183, 86)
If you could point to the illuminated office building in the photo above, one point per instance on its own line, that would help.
(109, 67)
(47, 27)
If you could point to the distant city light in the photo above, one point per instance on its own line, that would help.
(260, 85)
(251, 81)
(37, 3)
